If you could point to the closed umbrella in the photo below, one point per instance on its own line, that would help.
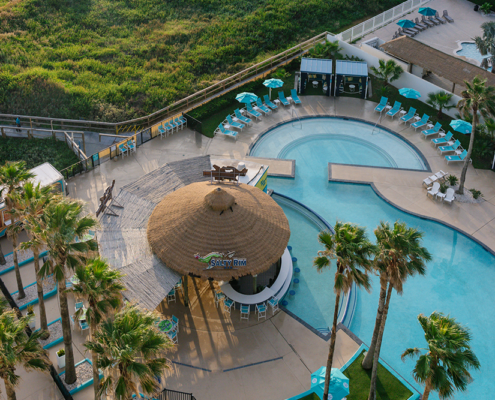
(246, 97)
(405, 23)
(461, 126)
(427, 11)
(409, 93)
(273, 83)
(338, 387)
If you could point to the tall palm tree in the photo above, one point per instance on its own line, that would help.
(18, 348)
(12, 176)
(445, 366)
(486, 45)
(352, 249)
(399, 256)
(102, 288)
(28, 206)
(476, 98)
(61, 225)
(130, 350)
(440, 100)
(388, 70)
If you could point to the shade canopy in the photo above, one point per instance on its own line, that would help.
(246, 97)
(427, 11)
(218, 231)
(338, 387)
(351, 68)
(273, 83)
(316, 66)
(405, 23)
(461, 126)
(409, 93)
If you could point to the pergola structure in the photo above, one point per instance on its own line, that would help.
(317, 70)
(351, 77)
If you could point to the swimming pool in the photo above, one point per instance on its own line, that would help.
(338, 140)
(458, 280)
(470, 50)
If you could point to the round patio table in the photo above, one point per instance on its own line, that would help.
(165, 326)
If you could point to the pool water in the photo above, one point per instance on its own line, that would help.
(458, 281)
(470, 50)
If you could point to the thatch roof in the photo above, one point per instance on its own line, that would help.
(452, 68)
(204, 218)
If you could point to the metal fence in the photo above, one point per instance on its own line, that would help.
(372, 24)
(194, 124)
(168, 394)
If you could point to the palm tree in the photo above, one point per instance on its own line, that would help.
(102, 288)
(130, 350)
(12, 175)
(28, 205)
(388, 70)
(445, 366)
(399, 256)
(61, 225)
(440, 100)
(476, 98)
(486, 45)
(352, 249)
(18, 348)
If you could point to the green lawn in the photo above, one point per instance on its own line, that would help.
(388, 386)
(37, 151)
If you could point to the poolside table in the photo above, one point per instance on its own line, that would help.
(402, 112)
(165, 325)
(441, 195)
(277, 102)
(289, 99)
(417, 118)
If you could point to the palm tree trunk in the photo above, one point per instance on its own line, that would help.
(70, 369)
(2, 257)
(368, 360)
(376, 357)
(21, 294)
(39, 287)
(186, 291)
(94, 360)
(470, 150)
(427, 391)
(332, 346)
(10, 390)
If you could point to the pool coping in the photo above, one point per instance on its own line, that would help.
(345, 118)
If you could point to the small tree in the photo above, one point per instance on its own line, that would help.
(440, 100)
(329, 50)
(388, 70)
(443, 366)
(486, 44)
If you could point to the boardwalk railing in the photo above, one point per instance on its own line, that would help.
(372, 24)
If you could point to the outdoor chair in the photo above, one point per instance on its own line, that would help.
(252, 112)
(179, 123)
(443, 140)
(394, 110)
(162, 131)
(283, 100)
(234, 124)
(406, 32)
(426, 21)
(72, 321)
(418, 27)
(434, 190)
(420, 24)
(79, 305)
(433, 131)
(245, 310)
(175, 323)
(123, 150)
(173, 336)
(381, 106)
(428, 181)
(169, 128)
(260, 107)
(447, 17)
(171, 296)
(409, 116)
(456, 157)
(219, 296)
(261, 310)
(446, 149)
(227, 304)
(178, 286)
(226, 132)
(241, 118)
(131, 146)
(422, 122)
(83, 325)
(295, 97)
(439, 18)
(434, 20)
(183, 120)
(273, 303)
(449, 196)
(269, 103)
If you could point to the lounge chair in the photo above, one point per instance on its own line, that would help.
(407, 32)
(395, 109)
(79, 305)
(449, 196)
(226, 132)
(262, 107)
(446, 149)
(422, 122)
(443, 140)
(434, 20)
(419, 27)
(428, 181)
(269, 103)
(439, 18)
(252, 112)
(295, 97)
(426, 21)
(457, 157)
(241, 118)
(409, 116)
(434, 190)
(441, 175)
(422, 25)
(234, 124)
(381, 106)
(433, 131)
(446, 16)
(283, 100)
(245, 310)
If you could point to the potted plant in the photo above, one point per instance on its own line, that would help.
(486, 8)
(61, 358)
(32, 321)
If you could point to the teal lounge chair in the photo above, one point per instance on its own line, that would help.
(282, 99)
(434, 131)
(269, 103)
(295, 97)
(422, 122)
(262, 107)
(226, 132)
(446, 149)
(381, 106)
(252, 112)
(241, 118)
(409, 116)
(443, 140)
(459, 157)
(395, 109)
(234, 124)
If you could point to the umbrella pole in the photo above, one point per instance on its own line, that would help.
(186, 291)
(270, 95)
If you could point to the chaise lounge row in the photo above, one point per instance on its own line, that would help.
(424, 24)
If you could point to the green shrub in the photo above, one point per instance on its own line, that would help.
(453, 180)
(476, 193)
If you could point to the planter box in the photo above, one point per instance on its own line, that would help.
(61, 361)
(56, 341)
(83, 385)
(27, 261)
(36, 300)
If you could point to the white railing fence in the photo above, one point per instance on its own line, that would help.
(372, 24)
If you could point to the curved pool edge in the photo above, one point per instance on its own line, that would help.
(459, 48)
(345, 118)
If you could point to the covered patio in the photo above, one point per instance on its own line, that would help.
(315, 71)
(351, 77)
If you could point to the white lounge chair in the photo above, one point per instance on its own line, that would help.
(434, 190)
(449, 196)
(428, 181)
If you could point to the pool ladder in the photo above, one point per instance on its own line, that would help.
(379, 119)
(293, 111)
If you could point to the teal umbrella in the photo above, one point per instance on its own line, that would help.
(461, 126)
(246, 97)
(427, 11)
(339, 383)
(409, 93)
(273, 83)
(405, 23)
